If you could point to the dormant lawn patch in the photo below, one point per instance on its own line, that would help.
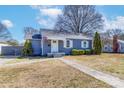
(110, 63)
(46, 74)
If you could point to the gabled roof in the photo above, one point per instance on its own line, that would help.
(54, 34)
(62, 35)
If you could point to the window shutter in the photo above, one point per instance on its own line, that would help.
(82, 44)
(87, 44)
(64, 43)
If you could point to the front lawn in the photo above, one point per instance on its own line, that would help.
(109, 63)
(46, 74)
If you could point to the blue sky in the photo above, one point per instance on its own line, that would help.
(111, 11)
(18, 17)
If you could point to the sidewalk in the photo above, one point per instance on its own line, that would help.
(109, 79)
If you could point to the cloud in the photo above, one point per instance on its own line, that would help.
(47, 15)
(116, 23)
(42, 6)
(46, 23)
(51, 12)
(7, 23)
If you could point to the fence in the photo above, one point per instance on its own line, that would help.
(11, 50)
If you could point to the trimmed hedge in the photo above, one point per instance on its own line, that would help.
(77, 52)
(82, 52)
(87, 52)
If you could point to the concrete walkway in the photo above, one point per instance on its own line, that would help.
(109, 79)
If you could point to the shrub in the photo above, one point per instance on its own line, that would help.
(77, 52)
(82, 52)
(87, 52)
(92, 51)
(27, 50)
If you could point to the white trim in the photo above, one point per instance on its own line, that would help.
(64, 36)
(55, 38)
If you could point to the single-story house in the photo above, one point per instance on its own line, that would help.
(45, 42)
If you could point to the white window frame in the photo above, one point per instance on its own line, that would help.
(70, 42)
(82, 44)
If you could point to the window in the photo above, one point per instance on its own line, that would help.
(84, 44)
(68, 44)
(105, 47)
(54, 41)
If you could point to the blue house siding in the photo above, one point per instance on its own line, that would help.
(62, 49)
(46, 46)
(36, 45)
(76, 45)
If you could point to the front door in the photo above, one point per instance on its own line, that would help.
(54, 46)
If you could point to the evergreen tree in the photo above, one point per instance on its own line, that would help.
(97, 45)
(27, 50)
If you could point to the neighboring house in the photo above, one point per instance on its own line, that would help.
(6, 49)
(11, 50)
(108, 47)
(2, 45)
(47, 42)
(121, 46)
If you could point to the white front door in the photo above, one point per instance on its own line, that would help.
(54, 46)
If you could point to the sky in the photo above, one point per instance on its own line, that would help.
(15, 18)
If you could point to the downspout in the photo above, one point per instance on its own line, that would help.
(42, 45)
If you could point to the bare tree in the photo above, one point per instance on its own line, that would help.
(29, 31)
(13, 42)
(112, 32)
(79, 19)
(4, 33)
